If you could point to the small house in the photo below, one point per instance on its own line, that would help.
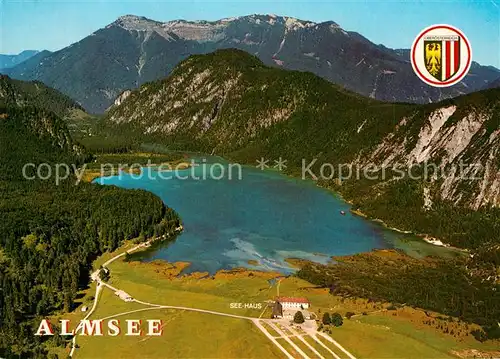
(124, 296)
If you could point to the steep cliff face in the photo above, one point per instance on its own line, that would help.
(231, 103)
(461, 139)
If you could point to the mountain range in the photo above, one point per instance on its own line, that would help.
(7, 61)
(235, 104)
(134, 50)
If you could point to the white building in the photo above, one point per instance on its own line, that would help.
(287, 307)
(123, 296)
(293, 302)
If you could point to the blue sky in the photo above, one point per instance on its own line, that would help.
(52, 25)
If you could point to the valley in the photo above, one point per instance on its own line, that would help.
(236, 107)
(387, 331)
(289, 218)
(265, 186)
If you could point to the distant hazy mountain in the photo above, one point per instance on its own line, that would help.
(133, 50)
(7, 61)
(27, 66)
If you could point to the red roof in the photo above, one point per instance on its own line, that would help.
(292, 300)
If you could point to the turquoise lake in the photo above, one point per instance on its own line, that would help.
(265, 217)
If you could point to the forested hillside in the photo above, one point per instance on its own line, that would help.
(35, 93)
(228, 101)
(50, 234)
(451, 287)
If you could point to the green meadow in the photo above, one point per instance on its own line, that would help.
(379, 333)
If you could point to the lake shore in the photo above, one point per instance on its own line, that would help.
(268, 255)
(423, 236)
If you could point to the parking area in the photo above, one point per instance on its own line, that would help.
(301, 340)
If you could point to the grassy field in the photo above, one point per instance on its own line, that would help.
(303, 347)
(318, 347)
(185, 335)
(85, 299)
(109, 304)
(271, 331)
(385, 334)
(157, 283)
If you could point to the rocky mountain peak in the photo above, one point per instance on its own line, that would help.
(134, 22)
(196, 30)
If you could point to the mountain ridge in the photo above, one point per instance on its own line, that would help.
(53, 228)
(133, 50)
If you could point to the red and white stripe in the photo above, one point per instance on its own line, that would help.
(450, 58)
